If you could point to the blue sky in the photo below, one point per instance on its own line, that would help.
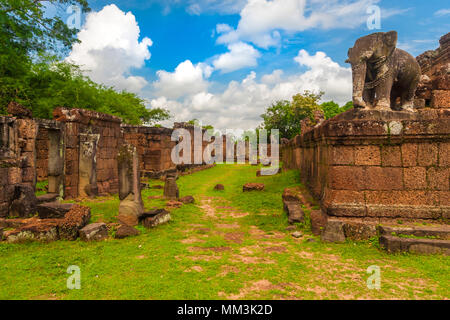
(225, 61)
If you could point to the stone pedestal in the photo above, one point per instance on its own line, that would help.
(379, 165)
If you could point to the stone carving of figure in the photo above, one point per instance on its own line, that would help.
(384, 77)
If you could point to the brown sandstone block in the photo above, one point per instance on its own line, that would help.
(368, 155)
(427, 154)
(347, 178)
(438, 178)
(415, 178)
(383, 178)
(409, 154)
(391, 156)
(342, 155)
(440, 99)
(404, 198)
(444, 154)
(344, 197)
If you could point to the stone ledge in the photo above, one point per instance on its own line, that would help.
(424, 246)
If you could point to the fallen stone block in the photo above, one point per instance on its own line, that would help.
(46, 230)
(219, 187)
(318, 221)
(24, 202)
(333, 231)
(74, 220)
(53, 210)
(253, 187)
(297, 234)
(155, 218)
(294, 211)
(94, 232)
(49, 197)
(394, 244)
(39, 231)
(291, 194)
(125, 231)
(187, 199)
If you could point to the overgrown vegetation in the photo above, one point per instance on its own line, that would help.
(230, 244)
(33, 73)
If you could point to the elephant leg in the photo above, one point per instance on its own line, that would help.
(395, 96)
(383, 94)
(409, 94)
(369, 97)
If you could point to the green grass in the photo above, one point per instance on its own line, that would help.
(41, 187)
(229, 244)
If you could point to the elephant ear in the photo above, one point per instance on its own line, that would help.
(390, 39)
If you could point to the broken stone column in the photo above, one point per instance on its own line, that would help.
(87, 185)
(131, 206)
(171, 191)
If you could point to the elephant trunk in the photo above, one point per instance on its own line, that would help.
(359, 78)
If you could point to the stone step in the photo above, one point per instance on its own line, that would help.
(414, 245)
(439, 232)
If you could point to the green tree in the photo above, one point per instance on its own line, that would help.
(330, 109)
(305, 104)
(280, 115)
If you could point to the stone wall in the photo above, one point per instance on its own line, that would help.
(434, 88)
(91, 146)
(377, 164)
(42, 145)
(17, 157)
(154, 147)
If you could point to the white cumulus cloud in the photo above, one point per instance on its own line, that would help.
(110, 49)
(187, 79)
(240, 55)
(261, 20)
(241, 103)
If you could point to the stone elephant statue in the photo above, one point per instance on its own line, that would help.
(384, 77)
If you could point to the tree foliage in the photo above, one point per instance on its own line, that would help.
(32, 73)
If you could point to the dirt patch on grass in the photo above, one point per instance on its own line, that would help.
(236, 237)
(227, 226)
(277, 249)
(254, 287)
(192, 240)
(194, 268)
(214, 249)
(225, 270)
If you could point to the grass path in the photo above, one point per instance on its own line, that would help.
(229, 245)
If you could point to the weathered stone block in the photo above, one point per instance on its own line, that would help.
(333, 231)
(155, 218)
(347, 178)
(438, 178)
(53, 210)
(94, 232)
(415, 178)
(253, 187)
(368, 155)
(125, 231)
(409, 154)
(391, 156)
(427, 154)
(383, 178)
(342, 155)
